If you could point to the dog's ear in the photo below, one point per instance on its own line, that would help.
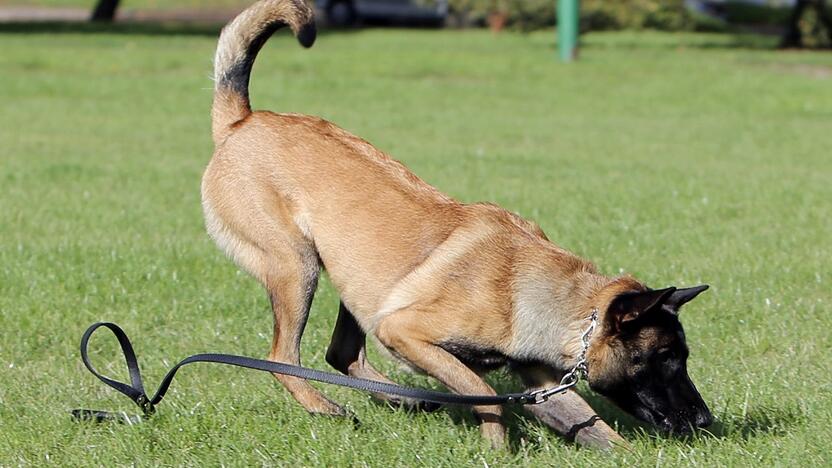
(681, 297)
(626, 308)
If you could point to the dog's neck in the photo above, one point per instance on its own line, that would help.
(553, 302)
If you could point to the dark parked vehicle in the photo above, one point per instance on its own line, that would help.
(349, 12)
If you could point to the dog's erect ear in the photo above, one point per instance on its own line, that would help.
(682, 296)
(628, 307)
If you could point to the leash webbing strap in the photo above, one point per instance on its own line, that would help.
(135, 390)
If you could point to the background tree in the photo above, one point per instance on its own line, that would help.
(794, 36)
(105, 10)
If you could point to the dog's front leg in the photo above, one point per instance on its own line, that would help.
(567, 413)
(347, 353)
(407, 334)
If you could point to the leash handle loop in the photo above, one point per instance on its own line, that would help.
(134, 391)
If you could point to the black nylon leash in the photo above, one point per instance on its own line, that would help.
(136, 392)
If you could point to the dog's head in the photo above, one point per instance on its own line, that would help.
(639, 359)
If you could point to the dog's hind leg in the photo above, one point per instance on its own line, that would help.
(347, 353)
(567, 413)
(258, 227)
(291, 288)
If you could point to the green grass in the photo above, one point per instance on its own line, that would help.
(678, 158)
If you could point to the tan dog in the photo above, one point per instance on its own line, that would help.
(451, 289)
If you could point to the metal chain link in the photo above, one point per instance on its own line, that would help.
(579, 370)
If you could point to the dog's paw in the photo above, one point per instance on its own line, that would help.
(494, 433)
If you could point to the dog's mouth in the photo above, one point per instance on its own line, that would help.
(655, 418)
(680, 424)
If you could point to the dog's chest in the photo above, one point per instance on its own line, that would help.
(475, 356)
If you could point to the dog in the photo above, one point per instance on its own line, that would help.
(453, 290)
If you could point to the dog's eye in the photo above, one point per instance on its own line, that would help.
(665, 354)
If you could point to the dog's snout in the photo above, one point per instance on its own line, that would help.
(686, 421)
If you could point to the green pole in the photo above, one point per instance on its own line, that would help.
(568, 29)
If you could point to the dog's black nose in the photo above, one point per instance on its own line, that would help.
(703, 418)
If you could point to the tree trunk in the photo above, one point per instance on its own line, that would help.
(825, 18)
(792, 37)
(105, 10)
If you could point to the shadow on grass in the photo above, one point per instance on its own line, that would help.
(712, 41)
(757, 421)
(760, 420)
(139, 28)
(165, 28)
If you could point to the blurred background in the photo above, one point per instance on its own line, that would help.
(797, 23)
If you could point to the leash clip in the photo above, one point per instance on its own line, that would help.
(540, 396)
(146, 405)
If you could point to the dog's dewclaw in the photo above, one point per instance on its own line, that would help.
(569, 415)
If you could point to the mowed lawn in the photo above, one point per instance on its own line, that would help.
(678, 158)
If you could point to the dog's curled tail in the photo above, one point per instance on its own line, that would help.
(239, 43)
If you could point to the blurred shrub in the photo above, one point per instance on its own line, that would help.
(528, 15)
(667, 15)
(595, 14)
(751, 13)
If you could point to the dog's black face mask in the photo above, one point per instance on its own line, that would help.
(644, 368)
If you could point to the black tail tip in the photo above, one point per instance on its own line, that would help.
(306, 35)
